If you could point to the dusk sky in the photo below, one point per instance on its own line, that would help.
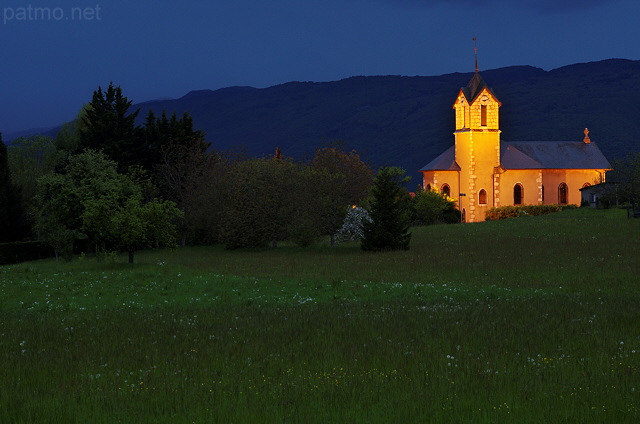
(56, 52)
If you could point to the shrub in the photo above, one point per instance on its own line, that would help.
(434, 207)
(505, 212)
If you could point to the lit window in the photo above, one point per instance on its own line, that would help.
(562, 193)
(446, 190)
(482, 197)
(518, 194)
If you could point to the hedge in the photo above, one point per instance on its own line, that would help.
(22, 251)
(505, 212)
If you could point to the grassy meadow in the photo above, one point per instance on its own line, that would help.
(527, 320)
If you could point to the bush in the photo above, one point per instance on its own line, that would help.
(505, 212)
(351, 229)
(13, 253)
(434, 207)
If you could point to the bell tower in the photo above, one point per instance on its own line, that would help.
(477, 145)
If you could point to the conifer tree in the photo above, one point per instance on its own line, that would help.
(109, 127)
(389, 225)
(166, 136)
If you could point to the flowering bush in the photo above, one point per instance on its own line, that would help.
(351, 229)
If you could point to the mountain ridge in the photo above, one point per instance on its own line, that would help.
(408, 120)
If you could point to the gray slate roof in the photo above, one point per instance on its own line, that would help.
(552, 155)
(475, 86)
(534, 155)
(445, 162)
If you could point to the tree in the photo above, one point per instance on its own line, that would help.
(60, 199)
(165, 133)
(90, 199)
(11, 210)
(29, 159)
(627, 173)
(342, 180)
(180, 162)
(122, 221)
(181, 178)
(307, 216)
(260, 202)
(389, 225)
(68, 138)
(108, 126)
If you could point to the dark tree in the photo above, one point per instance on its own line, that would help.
(627, 174)
(179, 158)
(341, 180)
(108, 126)
(11, 211)
(389, 225)
(162, 135)
(260, 203)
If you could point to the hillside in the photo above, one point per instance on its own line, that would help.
(406, 121)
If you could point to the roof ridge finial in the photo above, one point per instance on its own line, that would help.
(475, 52)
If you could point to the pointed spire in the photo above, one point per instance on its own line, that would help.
(475, 52)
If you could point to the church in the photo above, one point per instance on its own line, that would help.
(481, 171)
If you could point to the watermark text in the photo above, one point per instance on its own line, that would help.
(42, 14)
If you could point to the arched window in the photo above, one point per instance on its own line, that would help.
(446, 190)
(463, 215)
(428, 187)
(585, 185)
(562, 194)
(518, 194)
(482, 197)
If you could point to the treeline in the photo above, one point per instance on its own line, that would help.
(105, 184)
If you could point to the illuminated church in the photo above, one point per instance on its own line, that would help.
(481, 171)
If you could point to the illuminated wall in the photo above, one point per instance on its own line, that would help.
(477, 150)
(481, 182)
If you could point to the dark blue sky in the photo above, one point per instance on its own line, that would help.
(56, 52)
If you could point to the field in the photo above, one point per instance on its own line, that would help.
(528, 320)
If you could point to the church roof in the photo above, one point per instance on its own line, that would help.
(445, 162)
(552, 155)
(475, 86)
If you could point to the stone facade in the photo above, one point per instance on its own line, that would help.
(483, 172)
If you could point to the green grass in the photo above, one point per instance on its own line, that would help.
(528, 320)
